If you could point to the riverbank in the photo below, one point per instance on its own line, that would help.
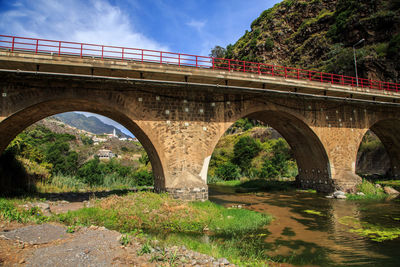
(156, 219)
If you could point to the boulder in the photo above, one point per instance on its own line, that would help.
(378, 186)
(390, 191)
(360, 194)
(341, 197)
(338, 193)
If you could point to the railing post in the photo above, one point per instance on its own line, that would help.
(102, 52)
(309, 75)
(322, 80)
(259, 72)
(285, 73)
(213, 62)
(122, 54)
(81, 49)
(37, 46)
(179, 60)
(273, 71)
(298, 74)
(142, 55)
(331, 78)
(244, 66)
(59, 48)
(12, 46)
(229, 65)
(196, 61)
(342, 79)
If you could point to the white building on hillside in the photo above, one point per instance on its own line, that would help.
(105, 154)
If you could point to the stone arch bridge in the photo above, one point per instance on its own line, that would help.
(179, 113)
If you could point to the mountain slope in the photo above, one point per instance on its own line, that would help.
(90, 124)
(320, 34)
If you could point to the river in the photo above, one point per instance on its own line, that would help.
(309, 229)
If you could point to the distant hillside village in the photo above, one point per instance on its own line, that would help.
(104, 137)
(95, 139)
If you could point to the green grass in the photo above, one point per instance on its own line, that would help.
(160, 213)
(371, 192)
(11, 211)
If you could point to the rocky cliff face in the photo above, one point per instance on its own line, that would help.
(320, 34)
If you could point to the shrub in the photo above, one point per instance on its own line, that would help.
(394, 46)
(269, 44)
(90, 172)
(244, 151)
(268, 170)
(227, 171)
(143, 178)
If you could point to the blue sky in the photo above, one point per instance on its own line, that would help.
(185, 26)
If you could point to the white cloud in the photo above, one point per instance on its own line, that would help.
(197, 24)
(93, 21)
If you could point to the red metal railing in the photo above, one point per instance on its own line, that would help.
(59, 48)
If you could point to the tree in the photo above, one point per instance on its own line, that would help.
(244, 151)
(218, 52)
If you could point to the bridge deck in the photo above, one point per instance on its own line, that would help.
(91, 66)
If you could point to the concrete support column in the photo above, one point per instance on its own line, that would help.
(341, 145)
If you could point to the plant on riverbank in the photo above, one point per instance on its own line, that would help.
(370, 191)
(10, 211)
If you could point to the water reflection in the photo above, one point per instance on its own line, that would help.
(307, 228)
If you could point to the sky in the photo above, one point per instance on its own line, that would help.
(184, 26)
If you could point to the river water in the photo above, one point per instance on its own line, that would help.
(308, 228)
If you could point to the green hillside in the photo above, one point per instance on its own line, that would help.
(320, 34)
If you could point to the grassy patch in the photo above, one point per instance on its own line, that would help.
(371, 192)
(375, 233)
(11, 211)
(160, 213)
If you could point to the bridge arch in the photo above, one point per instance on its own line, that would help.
(310, 154)
(16, 123)
(387, 130)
